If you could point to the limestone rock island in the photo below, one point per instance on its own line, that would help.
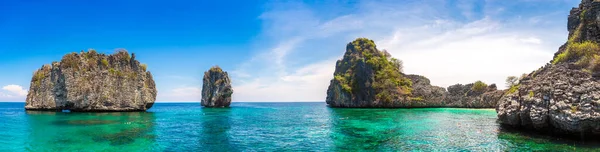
(216, 88)
(563, 96)
(90, 82)
(369, 78)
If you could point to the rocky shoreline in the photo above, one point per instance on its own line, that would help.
(562, 97)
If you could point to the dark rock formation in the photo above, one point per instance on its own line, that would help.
(457, 96)
(562, 97)
(92, 82)
(369, 78)
(426, 95)
(216, 88)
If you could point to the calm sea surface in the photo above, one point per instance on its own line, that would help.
(267, 127)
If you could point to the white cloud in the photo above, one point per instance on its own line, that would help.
(300, 63)
(308, 83)
(15, 89)
(532, 40)
(13, 93)
(181, 94)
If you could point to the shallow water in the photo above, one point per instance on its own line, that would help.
(268, 127)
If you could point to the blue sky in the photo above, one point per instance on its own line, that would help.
(281, 50)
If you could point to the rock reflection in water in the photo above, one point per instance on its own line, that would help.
(215, 129)
(118, 129)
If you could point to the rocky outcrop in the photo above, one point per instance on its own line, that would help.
(564, 96)
(426, 95)
(457, 96)
(467, 96)
(216, 88)
(558, 98)
(368, 78)
(90, 81)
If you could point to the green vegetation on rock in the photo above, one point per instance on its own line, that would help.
(388, 82)
(38, 77)
(479, 86)
(70, 61)
(216, 68)
(144, 67)
(105, 62)
(585, 54)
(91, 76)
(511, 81)
(513, 89)
(531, 94)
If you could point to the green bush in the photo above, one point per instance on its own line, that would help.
(479, 86)
(511, 81)
(105, 62)
(562, 57)
(70, 61)
(575, 36)
(144, 66)
(513, 89)
(531, 94)
(216, 68)
(123, 55)
(582, 53)
(91, 53)
(38, 77)
(344, 83)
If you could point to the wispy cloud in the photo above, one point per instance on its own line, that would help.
(181, 94)
(473, 45)
(13, 93)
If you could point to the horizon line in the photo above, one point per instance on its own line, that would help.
(194, 101)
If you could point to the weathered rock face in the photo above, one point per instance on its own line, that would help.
(458, 96)
(558, 98)
(216, 88)
(369, 78)
(562, 97)
(426, 94)
(92, 82)
(467, 97)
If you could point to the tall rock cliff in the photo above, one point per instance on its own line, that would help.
(369, 78)
(90, 81)
(216, 88)
(563, 96)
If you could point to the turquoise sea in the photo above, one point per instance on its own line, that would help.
(268, 127)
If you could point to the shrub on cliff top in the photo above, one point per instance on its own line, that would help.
(511, 81)
(123, 55)
(216, 68)
(144, 67)
(70, 61)
(479, 86)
